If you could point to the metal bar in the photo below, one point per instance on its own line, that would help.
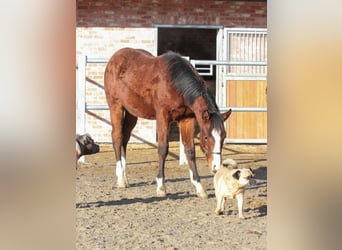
(244, 141)
(97, 60)
(245, 77)
(96, 107)
(244, 109)
(206, 62)
(234, 109)
(194, 62)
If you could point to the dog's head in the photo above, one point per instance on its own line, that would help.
(86, 145)
(244, 176)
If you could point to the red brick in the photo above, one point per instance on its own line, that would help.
(127, 13)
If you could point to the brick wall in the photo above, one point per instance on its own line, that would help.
(102, 43)
(103, 27)
(146, 13)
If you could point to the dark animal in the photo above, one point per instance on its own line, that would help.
(85, 145)
(164, 88)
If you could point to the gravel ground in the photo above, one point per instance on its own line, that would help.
(134, 218)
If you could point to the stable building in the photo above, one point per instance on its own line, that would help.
(226, 41)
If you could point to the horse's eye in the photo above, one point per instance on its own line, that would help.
(205, 138)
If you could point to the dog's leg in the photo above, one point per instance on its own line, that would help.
(220, 201)
(224, 199)
(239, 199)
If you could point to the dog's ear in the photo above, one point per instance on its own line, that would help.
(87, 135)
(236, 175)
(88, 139)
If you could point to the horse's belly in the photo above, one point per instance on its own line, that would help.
(139, 107)
(146, 113)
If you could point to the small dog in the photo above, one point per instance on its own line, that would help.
(85, 146)
(230, 182)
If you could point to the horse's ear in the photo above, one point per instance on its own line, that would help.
(225, 115)
(206, 115)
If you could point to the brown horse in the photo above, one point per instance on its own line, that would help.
(164, 88)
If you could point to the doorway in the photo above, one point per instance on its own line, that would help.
(193, 42)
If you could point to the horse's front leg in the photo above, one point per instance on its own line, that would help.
(187, 130)
(163, 150)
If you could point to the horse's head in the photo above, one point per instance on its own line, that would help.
(212, 135)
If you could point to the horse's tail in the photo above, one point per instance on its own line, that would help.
(230, 163)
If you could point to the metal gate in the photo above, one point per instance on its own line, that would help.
(95, 108)
(241, 71)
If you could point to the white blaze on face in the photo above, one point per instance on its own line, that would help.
(216, 164)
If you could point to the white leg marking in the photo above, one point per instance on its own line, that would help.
(216, 164)
(182, 156)
(199, 189)
(161, 191)
(123, 162)
(121, 173)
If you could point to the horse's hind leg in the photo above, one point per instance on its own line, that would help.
(129, 123)
(116, 116)
(187, 130)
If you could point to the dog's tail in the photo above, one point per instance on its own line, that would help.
(230, 163)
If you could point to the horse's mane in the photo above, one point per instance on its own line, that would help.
(191, 85)
(187, 81)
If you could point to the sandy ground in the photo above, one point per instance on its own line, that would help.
(134, 218)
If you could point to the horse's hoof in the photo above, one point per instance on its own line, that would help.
(202, 195)
(161, 193)
(122, 185)
(218, 212)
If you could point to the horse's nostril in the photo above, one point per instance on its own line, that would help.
(214, 169)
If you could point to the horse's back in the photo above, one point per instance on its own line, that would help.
(125, 66)
(131, 79)
(130, 53)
